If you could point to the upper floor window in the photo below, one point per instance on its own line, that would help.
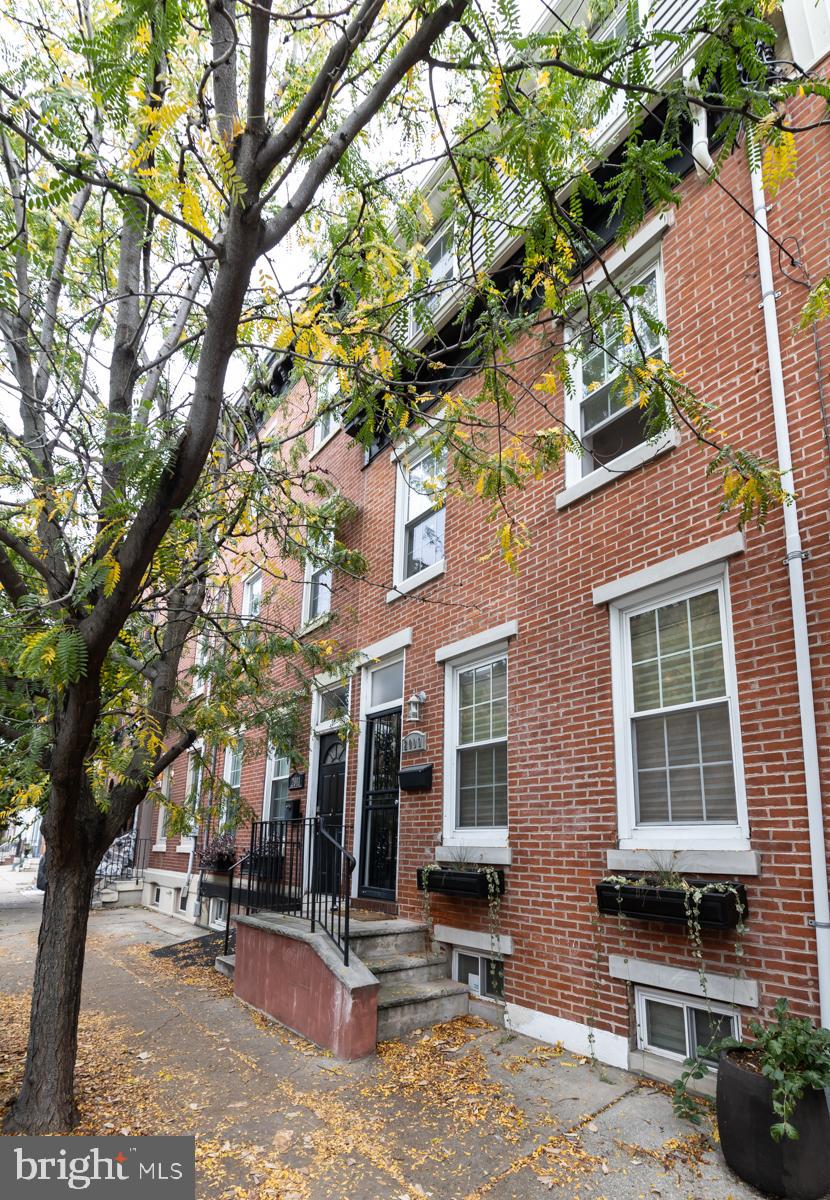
(193, 794)
(277, 800)
(607, 417)
(318, 577)
(442, 260)
(201, 657)
(328, 417)
(419, 518)
(252, 595)
(677, 728)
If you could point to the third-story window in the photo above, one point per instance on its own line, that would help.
(252, 595)
(681, 712)
(610, 421)
(328, 416)
(419, 517)
(481, 745)
(318, 579)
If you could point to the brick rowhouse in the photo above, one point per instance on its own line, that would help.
(569, 970)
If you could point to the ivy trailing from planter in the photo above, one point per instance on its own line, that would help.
(494, 879)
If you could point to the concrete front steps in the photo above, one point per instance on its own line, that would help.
(414, 988)
(118, 893)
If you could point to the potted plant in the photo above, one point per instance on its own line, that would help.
(666, 896)
(777, 1083)
(219, 854)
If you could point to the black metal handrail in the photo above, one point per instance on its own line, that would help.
(294, 866)
(331, 887)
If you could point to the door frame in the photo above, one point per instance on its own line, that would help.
(367, 710)
(318, 728)
(366, 892)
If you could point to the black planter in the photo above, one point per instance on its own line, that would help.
(717, 910)
(459, 883)
(220, 865)
(797, 1170)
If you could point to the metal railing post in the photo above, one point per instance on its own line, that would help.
(228, 910)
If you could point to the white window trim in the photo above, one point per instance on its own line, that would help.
(473, 940)
(188, 841)
(331, 726)
(270, 776)
(477, 641)
(200, 653)
(679, 1000)
(673, 837)
(237, 748)
(247, 593)
(634, 269)
(725, 989)
(319, 442)
(450, 292)
(310, 568)
(479, 954)
(401, 585)
(160, 843)
(217, 922)
(485, 835)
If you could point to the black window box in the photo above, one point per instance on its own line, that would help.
(459, 883)
(716, 910)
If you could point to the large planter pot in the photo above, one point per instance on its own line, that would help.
(717, 910)
(797, 1170)
(459, 883)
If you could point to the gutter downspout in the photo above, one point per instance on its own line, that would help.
(704, 163)
(795, 569)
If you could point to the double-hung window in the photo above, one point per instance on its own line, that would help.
(277, 799)
(678, 734)
(419, 518)
(480, 745)
(232, 778)
(442, 260)
(318, 577)
(328, 417)
(608, 418)
(252, 596)
(193, 795)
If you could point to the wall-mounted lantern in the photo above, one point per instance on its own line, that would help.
(414, 705)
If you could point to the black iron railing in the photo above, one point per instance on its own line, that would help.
(127, 858)
(297, 867)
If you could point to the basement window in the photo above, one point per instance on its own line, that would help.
(156, 895)
(676, 1026)
(482, 974)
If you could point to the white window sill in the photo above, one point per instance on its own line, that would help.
(317, 623)
(497, 856)
(158, 848)
(415, 581)
(630, 461)
(687, 860)
(459, 841)
(322, 445)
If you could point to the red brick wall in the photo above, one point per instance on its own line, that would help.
(561, 759)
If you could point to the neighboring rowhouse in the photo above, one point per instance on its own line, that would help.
(636, 698)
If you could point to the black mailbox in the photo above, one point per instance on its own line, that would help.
(416, 779)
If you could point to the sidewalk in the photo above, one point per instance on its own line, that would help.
(460, 1112)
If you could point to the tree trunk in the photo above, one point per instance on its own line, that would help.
(46, 1102)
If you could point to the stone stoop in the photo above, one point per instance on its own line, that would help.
(415, 988)
(412, 972)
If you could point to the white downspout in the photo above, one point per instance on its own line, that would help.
(704, 163)
(795, 568)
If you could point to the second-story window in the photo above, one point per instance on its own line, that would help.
(232, 779)
(607, 422)
(419, 518)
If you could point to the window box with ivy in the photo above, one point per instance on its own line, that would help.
(476, 883)
(710, 905)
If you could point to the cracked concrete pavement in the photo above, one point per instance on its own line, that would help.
(465, 1112)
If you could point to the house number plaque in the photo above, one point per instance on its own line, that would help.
(412, 742)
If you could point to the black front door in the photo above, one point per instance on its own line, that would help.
(379, 849)
(331, 788)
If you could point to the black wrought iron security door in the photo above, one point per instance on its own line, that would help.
(379, 849)
(331, 788)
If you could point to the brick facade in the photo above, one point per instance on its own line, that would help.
(562, 789)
